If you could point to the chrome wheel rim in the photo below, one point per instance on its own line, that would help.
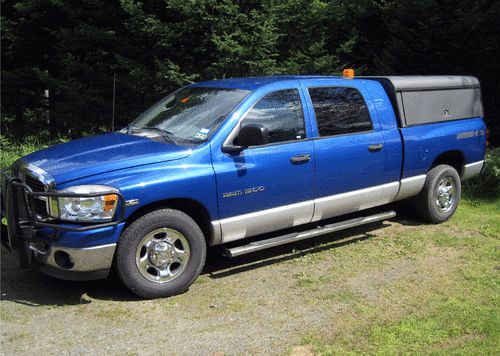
(445, 194)
(162, 255)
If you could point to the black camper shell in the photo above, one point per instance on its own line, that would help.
(421, 100)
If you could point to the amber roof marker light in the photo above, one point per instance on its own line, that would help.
(348, 73)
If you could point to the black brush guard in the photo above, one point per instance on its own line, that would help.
(17, 206)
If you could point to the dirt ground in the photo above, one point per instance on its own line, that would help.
(264, 303)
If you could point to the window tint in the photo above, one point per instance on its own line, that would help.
(340, 111)
(281, 113)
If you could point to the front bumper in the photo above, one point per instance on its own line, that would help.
(43, 244)
(73, 263)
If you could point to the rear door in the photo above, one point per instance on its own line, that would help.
(269, 187)
(349, 149)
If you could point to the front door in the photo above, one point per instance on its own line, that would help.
(269, 187)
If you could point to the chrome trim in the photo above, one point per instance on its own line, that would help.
(411, 186)
(86, 259)
(23, 169)
(162, 255)
(35, 172)
(260, 222)
(131, 202)
(33, 247)
(472, 169)
(293, 237)
(339, 204)
(216, 238)
(445, 194)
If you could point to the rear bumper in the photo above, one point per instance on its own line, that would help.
(473, 169)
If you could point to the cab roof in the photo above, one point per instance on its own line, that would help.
(398, 83)
(253, 83)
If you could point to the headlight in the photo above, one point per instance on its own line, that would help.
(84, 208)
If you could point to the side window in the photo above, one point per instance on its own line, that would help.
(340, 110)
(281, 112)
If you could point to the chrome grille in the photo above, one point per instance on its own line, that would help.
(41, 208)
(34, 184)
(40, 203)
(39, 181)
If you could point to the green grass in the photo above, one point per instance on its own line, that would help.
(453, 310)
(11, 150)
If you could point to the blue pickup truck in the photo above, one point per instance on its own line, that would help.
(217, 162)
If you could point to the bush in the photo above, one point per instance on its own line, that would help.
(11, 150)
(486, 184)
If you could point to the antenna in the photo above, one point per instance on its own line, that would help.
(114, 95)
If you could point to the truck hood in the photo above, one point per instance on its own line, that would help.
(104, 153)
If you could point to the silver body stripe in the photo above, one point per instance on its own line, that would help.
(472, 169)
(411, 186)
(260, 222)
(355, 200)
(282, 217)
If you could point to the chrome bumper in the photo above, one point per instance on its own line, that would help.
(73, 263)
(472, 169)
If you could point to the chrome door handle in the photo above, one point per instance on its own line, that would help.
(301, 158)
(375, 148)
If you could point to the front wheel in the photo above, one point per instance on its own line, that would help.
(160, 254)
(439, 198)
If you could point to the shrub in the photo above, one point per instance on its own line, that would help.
(486, 184)
(10, 150)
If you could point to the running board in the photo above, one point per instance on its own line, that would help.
(298, 236)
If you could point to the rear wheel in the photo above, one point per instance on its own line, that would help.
(439, 198)
(160, 254)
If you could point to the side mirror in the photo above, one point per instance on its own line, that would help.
(252, 135)
(249, 135)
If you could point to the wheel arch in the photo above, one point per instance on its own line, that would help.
(190, 207)
(454, 158)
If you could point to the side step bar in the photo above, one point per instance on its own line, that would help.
(298, 236)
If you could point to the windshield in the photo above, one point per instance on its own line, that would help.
(188, 116)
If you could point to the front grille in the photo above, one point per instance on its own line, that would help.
(35, 184)
(40, 208)
(40, 204)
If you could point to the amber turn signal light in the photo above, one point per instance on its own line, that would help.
(348, 73)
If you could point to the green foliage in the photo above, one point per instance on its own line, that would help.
(488, 182)
(11, 150)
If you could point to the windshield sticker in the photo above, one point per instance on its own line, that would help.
(200, 136)
(204, 131)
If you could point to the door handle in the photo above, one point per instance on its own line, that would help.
(375, 148)
(301, 158)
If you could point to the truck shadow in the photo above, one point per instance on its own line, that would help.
(224, 267)
(35, 289)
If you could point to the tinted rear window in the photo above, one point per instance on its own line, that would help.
(340, 110)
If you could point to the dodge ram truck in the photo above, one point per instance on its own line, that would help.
(217, 162)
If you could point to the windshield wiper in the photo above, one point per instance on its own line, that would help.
(130, 127)
(165, 133)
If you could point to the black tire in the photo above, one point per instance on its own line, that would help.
(427, 204)
(135, 277)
